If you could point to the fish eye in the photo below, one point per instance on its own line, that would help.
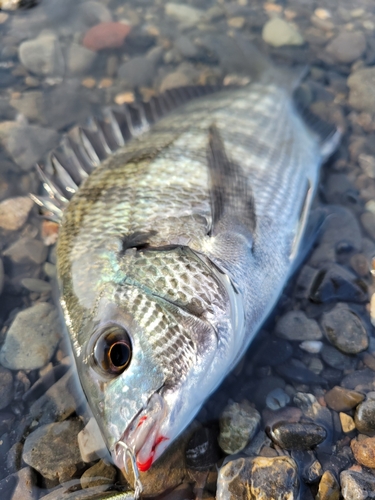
(113, 351)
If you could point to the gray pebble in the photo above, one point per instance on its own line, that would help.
(53, 450)
(36, 285)
(27, 250)
(344, 329)
(32, 338)
(26, 488)
(26, 144)
(357, 485)
(334, 283)
(91, 13)
(336, 359)
(6, 387)
(368, 222)
(186, 47)
(238, 425)
(311, 346)
(340, 226)
(347, 47)
(43, 55)
(362, 90)
(364, 417)
(137, 72)
(277, 399)
(186, 15)
(278, 32)
(79, 59)
(295, 325)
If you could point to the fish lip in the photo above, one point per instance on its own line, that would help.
(142, 436)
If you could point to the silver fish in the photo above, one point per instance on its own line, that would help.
(175, 249)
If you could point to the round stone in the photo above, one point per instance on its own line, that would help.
(202, 451)
(277, 32)
(277, 399)
(365, 417)
(341, 399)
(238, 425)
(295, 325)
(364, 451)
(99, 474)
(297, 436)
(347, 47)
(344, 329)
(14, 212)
(329, 488)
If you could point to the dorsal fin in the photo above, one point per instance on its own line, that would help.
(232, 200)
(84, 148)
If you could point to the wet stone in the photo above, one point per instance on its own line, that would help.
(311, 346)
(238, 425)
(202, 450)
(43, 55)
(295, 325)
(341, 399)
(362, 90)
(186, 15)
(274, 352)
(26, 485)
(14, 212)
(53, 451)
(6, 387)
(91, 443)
(259, 477)
(108, 35)
(368, 222)
(347, 47)
(347, 423)
(277, 32)
(365, 417)
(26, 250)
(297, 372)
(99, 492)
(138, 71)
(99, 474)
(79, 59)
(337, 283)
(364, 451)
(329, 488)
(357, 485)
(344, 329)
(277, 399)
(39, 323)
(359, 380)
(297, 436)
(36, 285)
(336, 359)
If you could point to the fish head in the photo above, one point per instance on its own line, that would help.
(141, 367)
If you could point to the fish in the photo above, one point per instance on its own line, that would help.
(181, 220)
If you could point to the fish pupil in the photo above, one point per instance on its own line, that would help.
(119, 354)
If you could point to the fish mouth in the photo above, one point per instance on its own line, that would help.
(143, 435)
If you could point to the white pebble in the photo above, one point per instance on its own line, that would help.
(311, 346)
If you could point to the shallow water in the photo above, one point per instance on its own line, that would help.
(55, 71)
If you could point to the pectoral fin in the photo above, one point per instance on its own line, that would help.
(232, 201)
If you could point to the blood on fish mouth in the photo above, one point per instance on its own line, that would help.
(144, 466)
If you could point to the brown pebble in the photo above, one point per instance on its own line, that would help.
(89, 82)
(340, 399)
(124, 98)
(360, 264)
(105, 83)
(364, 451)
(329, 488)
(109, 35)
(347, 423)
(50, 232)
(369, 360)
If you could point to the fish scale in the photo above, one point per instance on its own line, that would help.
(180, 243)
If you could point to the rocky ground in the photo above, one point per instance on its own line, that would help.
(296, 419)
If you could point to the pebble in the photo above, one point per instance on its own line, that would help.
(14, 212)
(99, 474)
(93, 13)
(258, 478)
(295, 325)
(26, 250)
(347, 423)
(277, 399)
(357, 485)
(341, 226)
(59, 402)
(277, 32)
(311, 346)
(108, 35)
(43, 55)
(137, 72)
(297, 436)
(365, 417)
(273, 352)
(26, 485)
(336, 359)
(347, 47)
(368, 222)
(329, 488)
(202, 450)
(362, 89)
(344, 329)
(36, 285)
(6, 387)
(238, 424)
(364, 451)
(53, 451)
(79, 59)
(237, 22)
(26, 144)
(185, 14)
(335, 283)
(173, 80)
(39, 322)
(91, 443)
(186, 47)
(340, 399)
